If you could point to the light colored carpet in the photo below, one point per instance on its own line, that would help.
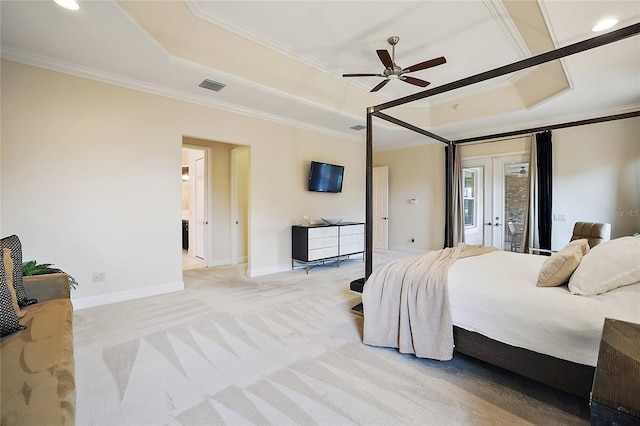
(280, 349)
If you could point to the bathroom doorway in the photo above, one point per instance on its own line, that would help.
(195, 207)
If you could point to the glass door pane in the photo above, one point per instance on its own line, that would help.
(516, 190)
(473, 204)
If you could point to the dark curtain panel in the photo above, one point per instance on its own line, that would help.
(448, 234)
(454, 224)
(545, 186)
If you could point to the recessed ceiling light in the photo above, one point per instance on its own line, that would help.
(604, 24)
(68, 4)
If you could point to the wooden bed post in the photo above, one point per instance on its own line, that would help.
(368, 262)
(358, 284)
(449, 219)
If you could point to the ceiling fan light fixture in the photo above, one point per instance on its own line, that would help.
(604, 24)
(394, 72)
(68, 4)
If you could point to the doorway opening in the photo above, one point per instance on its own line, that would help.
(215, 203)
(195, 212)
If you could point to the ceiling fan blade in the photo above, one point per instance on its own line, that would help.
(415, 81)
(380, 85)
(426, 64)
(362, 75)
(385, 58)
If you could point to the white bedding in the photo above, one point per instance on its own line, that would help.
(495, 294)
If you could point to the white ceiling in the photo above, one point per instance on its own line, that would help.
(283, 60)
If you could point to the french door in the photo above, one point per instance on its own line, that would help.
(495, 200)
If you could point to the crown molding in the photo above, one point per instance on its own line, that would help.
(509, 29)
(261, 39)
(141, 86)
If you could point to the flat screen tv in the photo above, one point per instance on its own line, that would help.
(325, 177)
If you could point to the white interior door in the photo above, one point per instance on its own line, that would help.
(381, 207)
(200, 202)
(495, 200)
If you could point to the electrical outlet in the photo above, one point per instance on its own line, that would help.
(98, 277)
(559, 218)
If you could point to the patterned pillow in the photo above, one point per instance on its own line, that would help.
(13, 244)
(8, 275)
(8, 319)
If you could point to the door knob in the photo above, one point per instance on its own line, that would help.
(489, 223)
(497, 224)
(384, 218)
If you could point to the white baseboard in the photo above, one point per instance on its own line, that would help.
(219, 262)
(267, 271)
(105, 299)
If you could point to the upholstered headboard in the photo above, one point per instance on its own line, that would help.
(595, 233)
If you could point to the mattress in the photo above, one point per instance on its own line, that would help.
(496, 295)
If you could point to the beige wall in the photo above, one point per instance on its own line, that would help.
(91, 179)
(415, 173)
(596, 179)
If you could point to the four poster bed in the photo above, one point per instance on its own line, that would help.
(491, 303)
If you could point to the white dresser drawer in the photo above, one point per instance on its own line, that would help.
(323, 253)
(347, 240)
(330, 231)
(351, 248)
(351, 230)
(325, 242)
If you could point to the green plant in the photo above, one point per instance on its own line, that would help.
(33, 268)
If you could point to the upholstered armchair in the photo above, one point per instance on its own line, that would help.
(594, 233)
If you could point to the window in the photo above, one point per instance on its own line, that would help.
(470, 193)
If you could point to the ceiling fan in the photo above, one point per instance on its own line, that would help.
(393, 71)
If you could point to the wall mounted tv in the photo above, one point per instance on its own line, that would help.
(325, 177)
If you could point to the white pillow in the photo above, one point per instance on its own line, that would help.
(607, 266)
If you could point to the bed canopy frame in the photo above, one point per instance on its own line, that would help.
(561, 374)
(376, 111)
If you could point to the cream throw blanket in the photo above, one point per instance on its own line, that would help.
(406, 304)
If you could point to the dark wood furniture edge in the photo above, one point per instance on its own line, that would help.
(567, 376)
(615, 398)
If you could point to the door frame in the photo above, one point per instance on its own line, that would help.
(208, 196)
(491, 204)
(234, 205)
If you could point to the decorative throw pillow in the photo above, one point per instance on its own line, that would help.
(13, 244)
(609, 265)
(8, 272)
(583, 243)
(558, 267)
(8, 319)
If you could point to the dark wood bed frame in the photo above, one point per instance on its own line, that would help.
(568, 376)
